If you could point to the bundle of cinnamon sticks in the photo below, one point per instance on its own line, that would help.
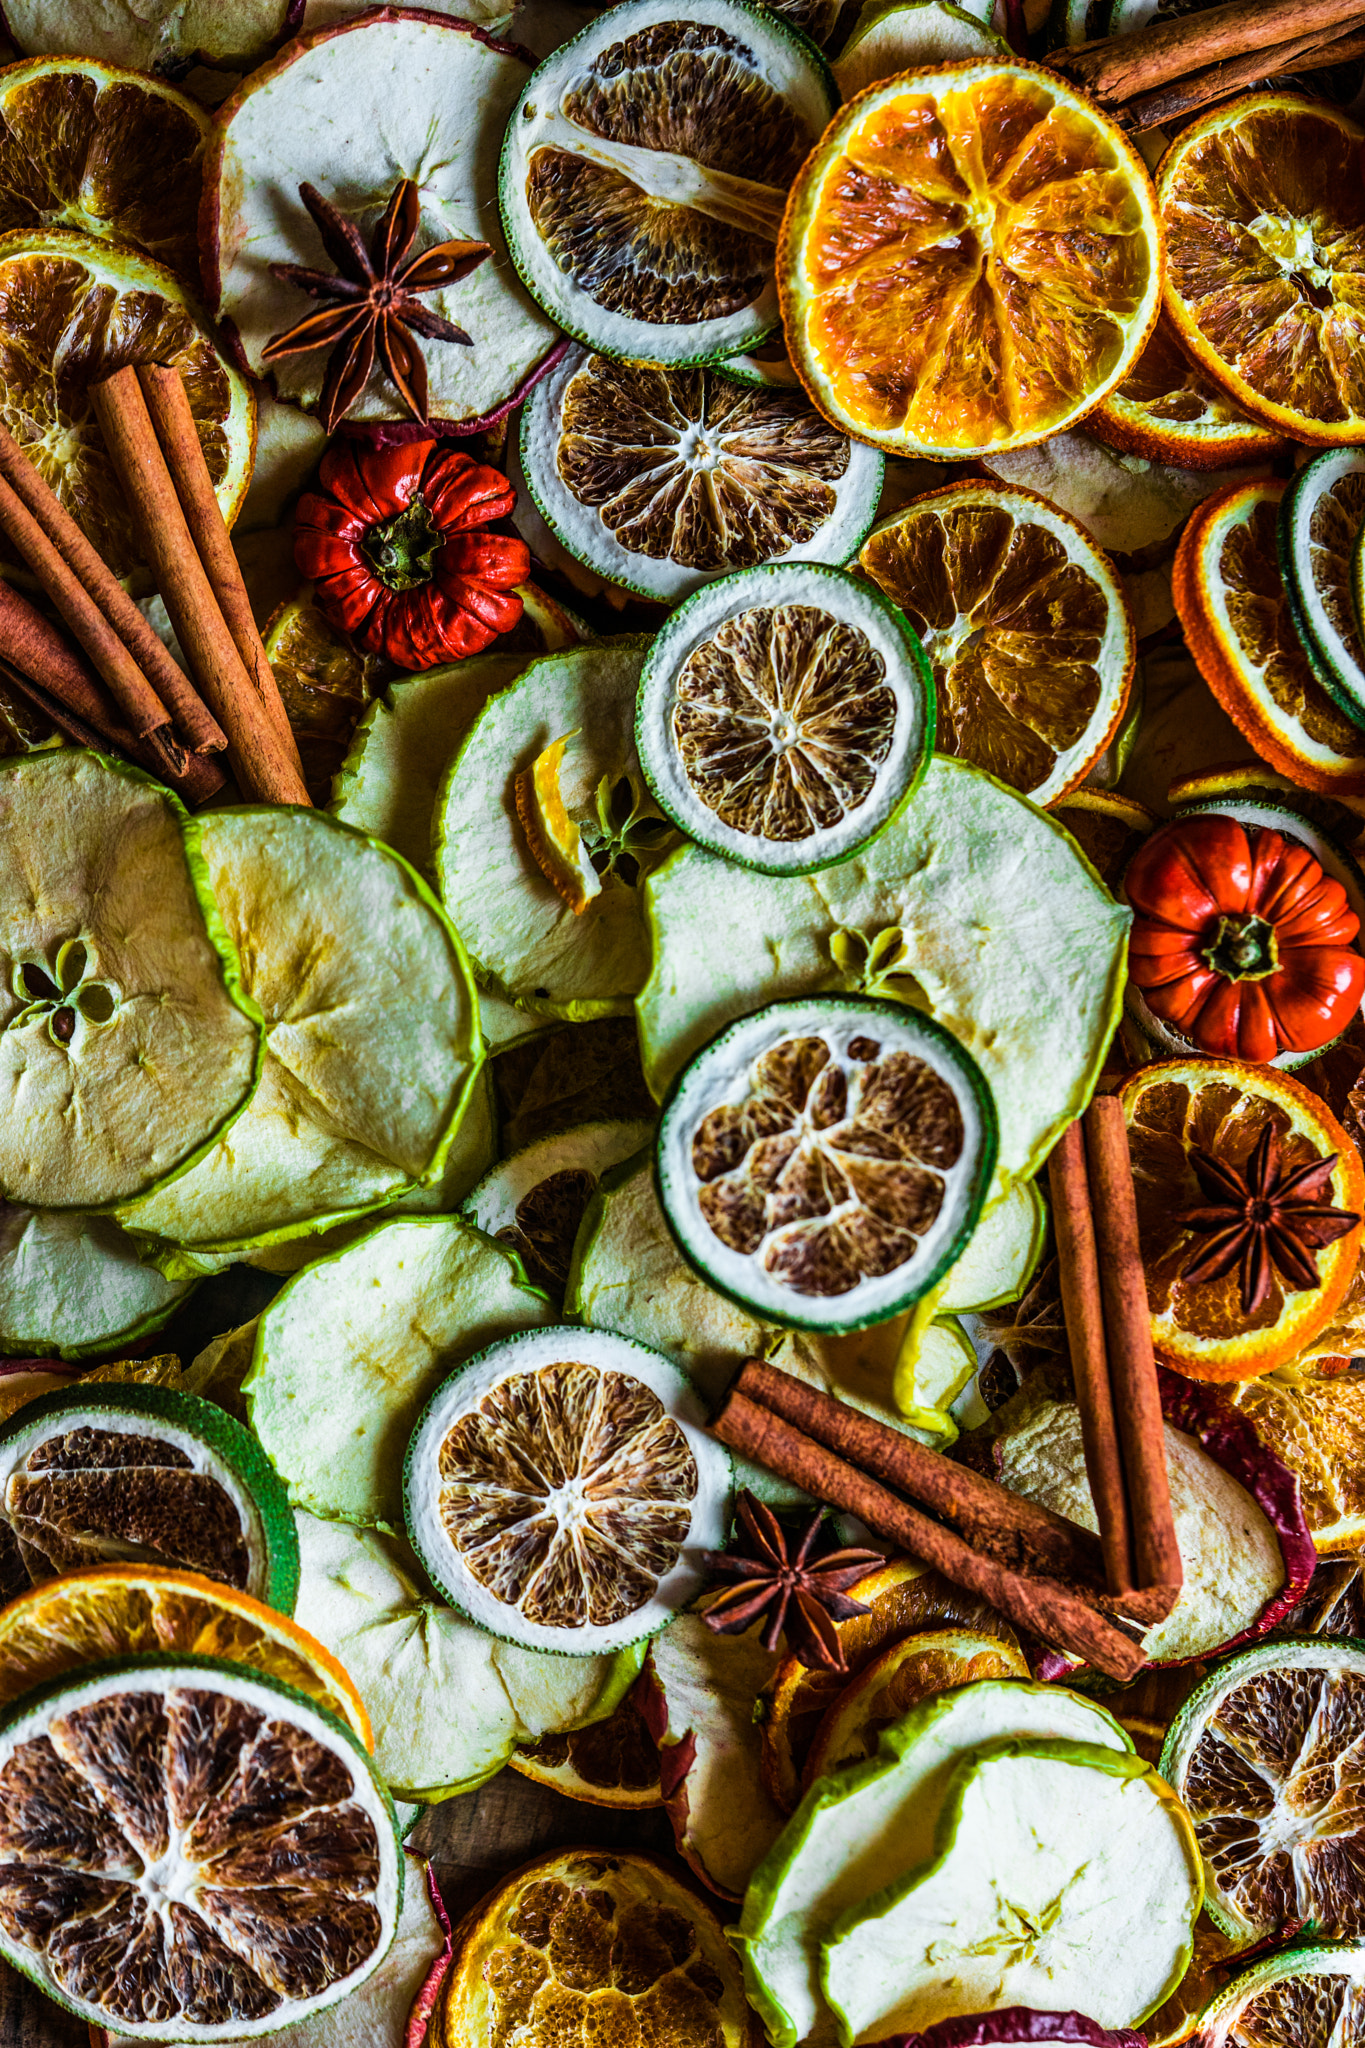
(113, 684)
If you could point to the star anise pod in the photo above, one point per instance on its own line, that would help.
(374, 303)
(1262, 1219)
(802, 1598)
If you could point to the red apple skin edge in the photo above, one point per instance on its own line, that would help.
(1017, 2024)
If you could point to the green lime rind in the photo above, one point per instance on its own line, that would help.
(205, 1424)
(211, 1100)
(1219, 2016)
(337, 1129)
(853, 1930)
(72, 1286)
(534, 1351)
(829, 1855)
(1333, 644)
(1343, 1653)
(573, 310)
(695, 622)
(195, 1672)
(349, 1350)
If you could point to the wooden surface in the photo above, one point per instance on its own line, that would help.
(472, 1841)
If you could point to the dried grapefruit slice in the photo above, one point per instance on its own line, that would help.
(559, 1489)
(661, 479)
(109, 152)
(1265, 1756)
(593, 1944)
(193, 1851)
(904, 1674)
(73, 309)
(784, 715)
(1223, 1106)
(1263, 203)
(1322, 516)
(824, 1160)
(1287, 2000)
(1025, 624)
(1232, 604)
(644, 173)
(969, 260)
(1167, 409)
(124, 1610)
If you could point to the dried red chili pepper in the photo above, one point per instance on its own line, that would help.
(396, 543)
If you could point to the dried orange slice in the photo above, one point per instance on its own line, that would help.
(74, 309)
(614, 1762)
(1263, 203)
(899, 1679)
(1232, 603)
(1223, 1107)
(109, 152)
(1025, 624)
(970, 260)
(1107, 827)
(1169, 410)
(123, 1610)
(1317, 1426)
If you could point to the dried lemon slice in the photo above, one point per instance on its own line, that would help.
(193, 1851)
(660, 479)
(560, 1489)
(644, 173)
(784, 715)
(824, 1160)
(1263, 202)
(1167, 409)
(1232, 603)
(1025, 625)
(970, 259)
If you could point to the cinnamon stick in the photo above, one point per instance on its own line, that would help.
(199, 731)
(173, 423)
(263, 768)
(1079, 1272)
(1132, 1364)
(1186, 95)
(1118, 68)
(1041, 1605)
(1019, 1534)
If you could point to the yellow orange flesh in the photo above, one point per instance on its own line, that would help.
(1167, 409)
(1318, 1427)
(1222, 1106)
(555, 842)
(325, 683)
(898, 1680)
(1263, 203)
(969, 260)
(1232, 604)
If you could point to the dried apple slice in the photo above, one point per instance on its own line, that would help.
(153, 35)
(74, 1285)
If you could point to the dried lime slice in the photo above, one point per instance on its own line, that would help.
(521, 933)
(560, 1489)
(120, 987)
(785, 713)
(1287, 2001)
(536, 1200)
(372, 1039)
(1038, 1845)
(113, 1470)
(73, 1285)
(1264, 1755)
(824, 1160)
(854, 1831)
(346, 1354)
(662, 480)
(645, 170)
(194, 1851)
(1028, 977)
(1322, 516)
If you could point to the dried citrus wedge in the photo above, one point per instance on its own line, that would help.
(661, 479)
(110, 152)
(1263, 203)
(73, 309)
(896, 1681)
(970, 259)
(1322, 517)
(824, 1160)
(1287, 2000)
(1222, 1107)
(1264, 1755)
(122, 1610)
(1167, 409)
(559, 1490)
(1025, 624)
(609, 1763)
(784, 715)
(591, 1944)
(194, 1851)
(1232, 603)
